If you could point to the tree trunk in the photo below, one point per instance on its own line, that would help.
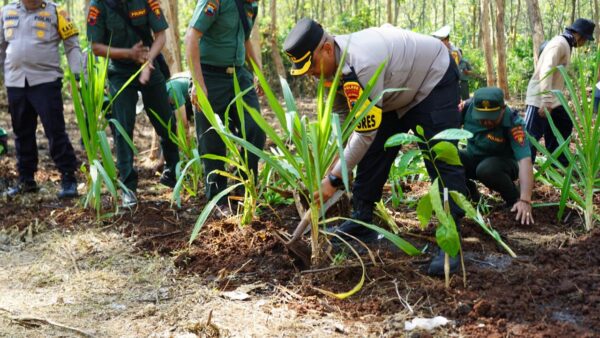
(274, 45)
(390, 13)
(255, 39)
(501, 48)
(487, 43)
(573, 7)
(171, 51)
(596, 17)
(474, 17)
(535, 23)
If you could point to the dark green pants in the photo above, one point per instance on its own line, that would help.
(155, 99)
(220, 94)
(496, 173)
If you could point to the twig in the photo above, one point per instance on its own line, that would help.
(25, 320)
(402, 301)
(330, 268)
(157, 236)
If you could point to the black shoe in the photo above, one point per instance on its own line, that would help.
(362, 211)
(168, 178)
(436, 267)
(22, 187)
(68, 190)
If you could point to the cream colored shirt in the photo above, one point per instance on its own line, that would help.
(557, 52)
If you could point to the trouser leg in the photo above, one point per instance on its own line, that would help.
(563, 123)
(123, 110)
(499, 174)
(46, 99)
(24, 124)
(155, 99)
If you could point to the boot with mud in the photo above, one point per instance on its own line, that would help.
(362, 211)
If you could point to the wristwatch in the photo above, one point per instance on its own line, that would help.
(335, 181)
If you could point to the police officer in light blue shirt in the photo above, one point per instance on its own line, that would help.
(30, 34)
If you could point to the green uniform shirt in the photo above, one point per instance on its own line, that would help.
(507, 139)
(462, 66)
(178, 88)
(107, 27)
(223, 36)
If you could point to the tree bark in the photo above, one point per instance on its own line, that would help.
(390, 13)
(273, 38)
(501, 48)
(573, 7)
(171, 51)
(535, 23)
(487, 43)
(596, 17)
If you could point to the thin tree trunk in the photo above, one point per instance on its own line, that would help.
(274, 46)
(171, 50)
(487, 43)
(501, 48)
(535, 23)
(596, 17)
(516, 24)
(573, 7)
(255, 38)
(474, 17)
(390, 18)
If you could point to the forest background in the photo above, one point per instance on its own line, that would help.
(499, 38)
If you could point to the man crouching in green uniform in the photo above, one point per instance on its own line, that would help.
(217, 43)
(498, 153)
(119, 24)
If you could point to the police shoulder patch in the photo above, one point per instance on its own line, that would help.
(66, 27)
(210, 9)
(372, 119)
(518, 134)
(155, 7)
(93, 13)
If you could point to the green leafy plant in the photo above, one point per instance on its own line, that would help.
(406, 168)
(88, 97)
(189, 169)
(579, 181)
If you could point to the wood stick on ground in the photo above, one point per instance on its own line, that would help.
(35, 321)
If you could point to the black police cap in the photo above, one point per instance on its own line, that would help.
(300, 44)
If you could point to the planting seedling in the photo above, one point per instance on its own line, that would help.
(578, 182)
(88, 97)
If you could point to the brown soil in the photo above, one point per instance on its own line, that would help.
(552, 289)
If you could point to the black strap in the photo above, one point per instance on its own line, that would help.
(240, 7)
(147, 39)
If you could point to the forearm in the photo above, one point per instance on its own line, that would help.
(251, 54)
(73, 52)
(192, 52)
(526, 178)
(160, 38)
(355, 150)
(103, 50)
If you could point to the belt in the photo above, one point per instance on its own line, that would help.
(218, 69)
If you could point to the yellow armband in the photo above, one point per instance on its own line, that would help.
(66, 28)
(372, 120)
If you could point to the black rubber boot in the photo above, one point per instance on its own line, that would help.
(436, 267)
(472, 191)
(362, 211)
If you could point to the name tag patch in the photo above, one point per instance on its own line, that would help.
(494, 138)
(138, 13)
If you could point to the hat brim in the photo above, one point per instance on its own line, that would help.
(588, 37)
(486, 114)
(301, 68)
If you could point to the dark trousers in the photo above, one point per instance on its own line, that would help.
(539, 127)
(220, 93)
(155, 99)
(437, 112)
(496, 173)
(25, 105)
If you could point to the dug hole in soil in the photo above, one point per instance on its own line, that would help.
(137, 275)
